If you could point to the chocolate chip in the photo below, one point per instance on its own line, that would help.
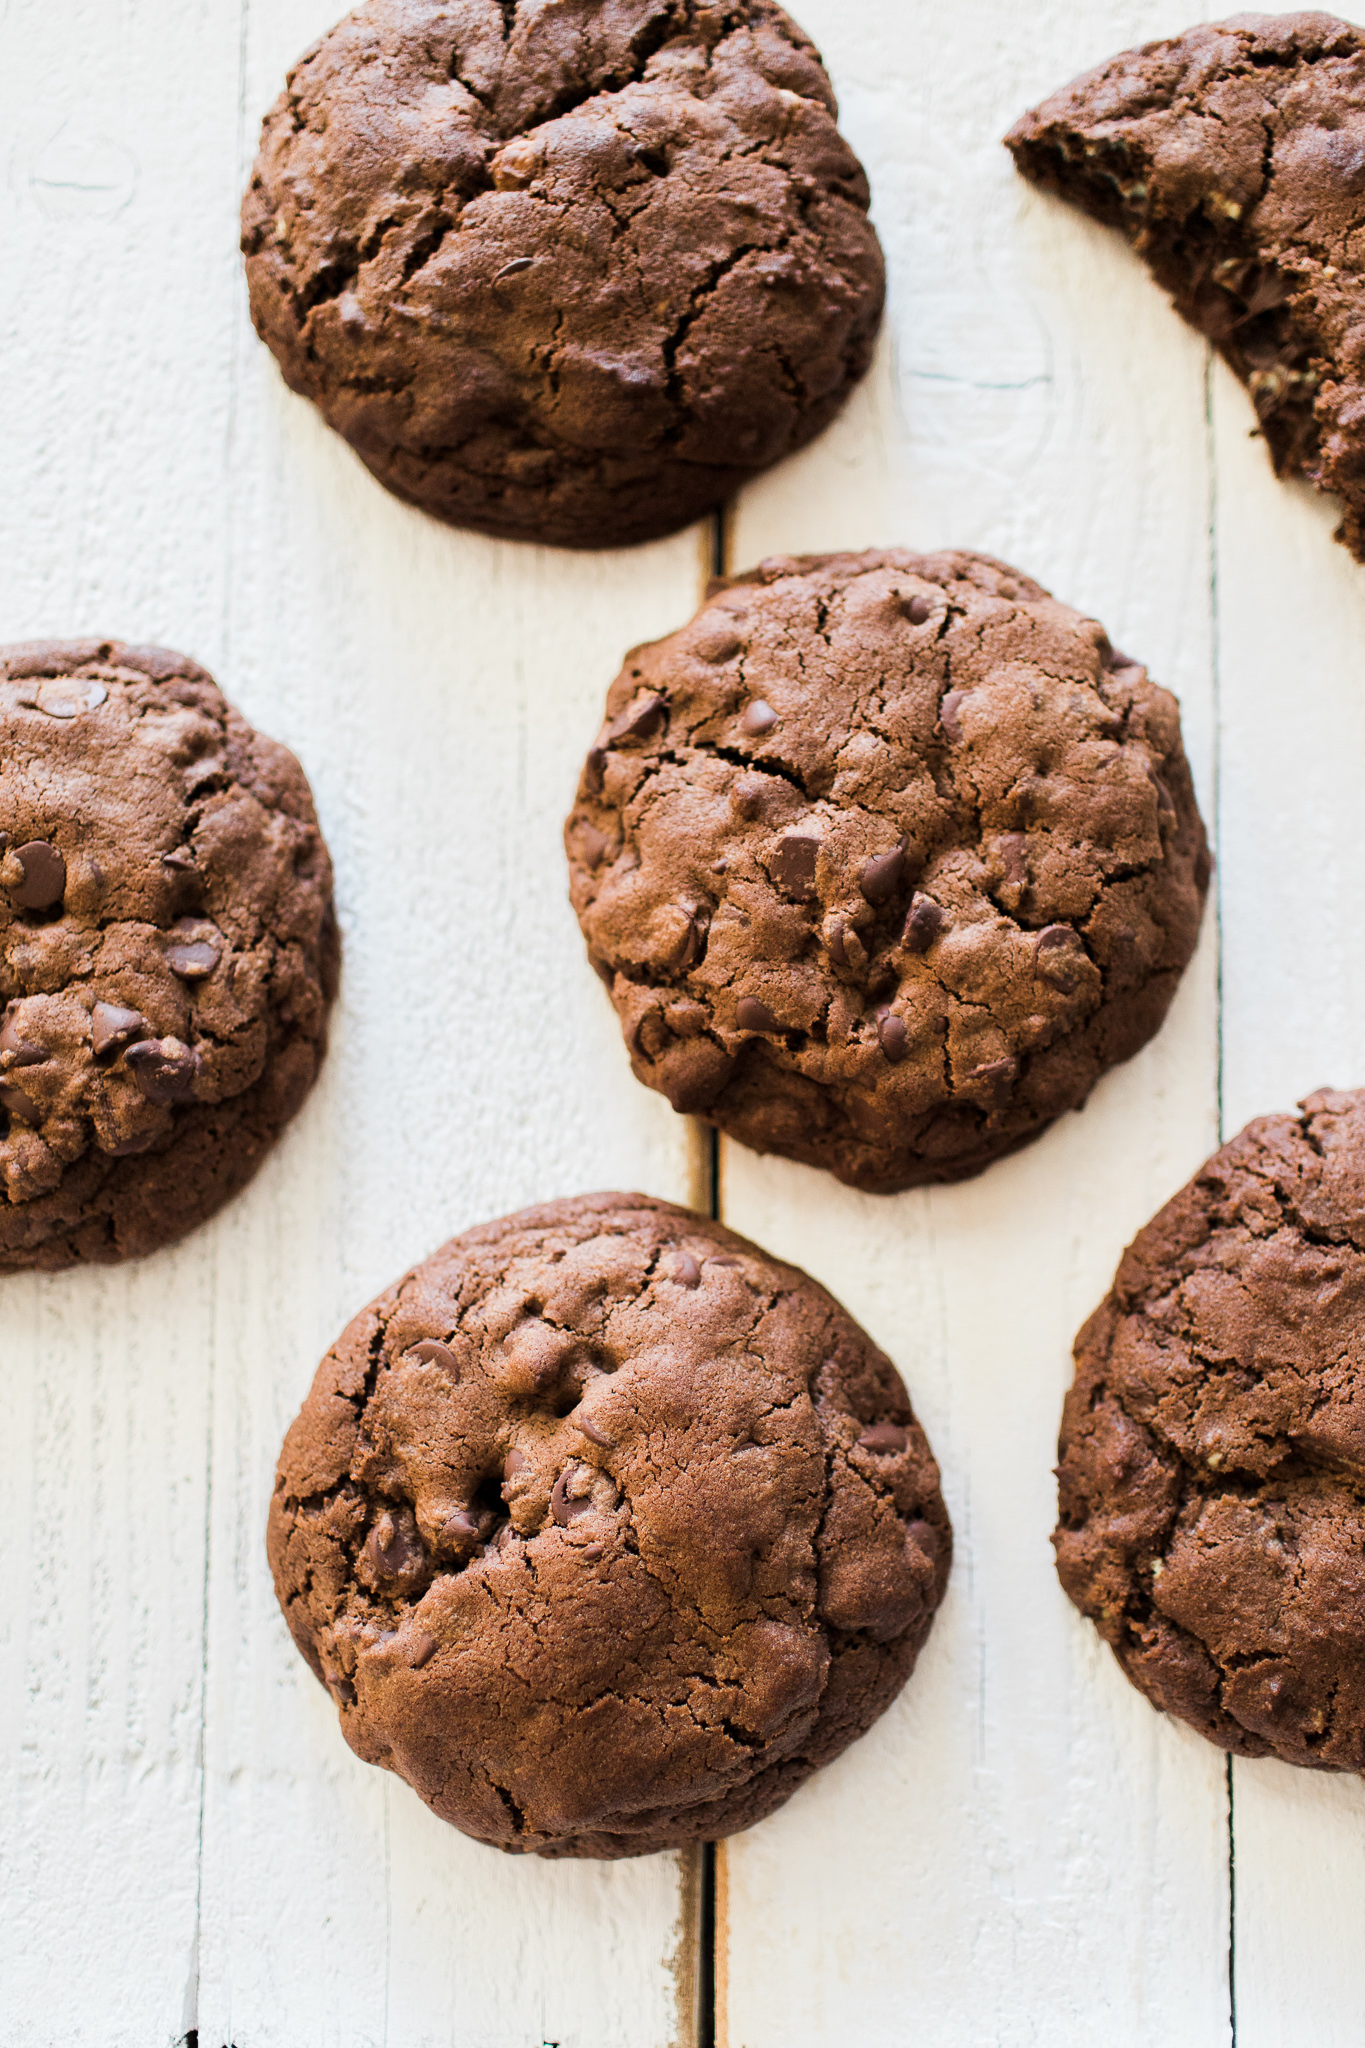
(923, 1536)
(691, 946)
(392, 1550)
(996, 1078)
(753, 1015)
(895, 1040)
(44, 880)
(431, 1351)
(193, 959)
(917, 611)
(749, 796)
(593, 1433)
(1057, 958)
(562, 1508)
(793, 864)
(837, 950)
(344, 1691)
(592, 844)
(421, 1650)
(642, 720)
(594, 770)
(178, 857)
(1013, 849)
(948, 718)
(19, 1104)
(594, 1550)
(459, 1529)
(68, 697)
(515, 1461)
(884, 1439)
(883, 875)
(112, 1026)
(23, 1053)
(714, 639)
(759, 718)
(164, 1069)
(926, 920)
(514, 268)
(685, 1270)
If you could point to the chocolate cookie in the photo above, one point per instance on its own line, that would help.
(1213, 1447)
(560, 270)
(1232, 159)
(604, 1530)
(168, 950)
(884, 859)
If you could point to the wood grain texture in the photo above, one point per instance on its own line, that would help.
(1022, 1851)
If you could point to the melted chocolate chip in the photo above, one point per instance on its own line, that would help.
(759, 718)
(515, 1461)
(44, 882)
(23, 1053)
(111, 1027)
(19, 1104)
(793, 864)
(421, 1650)
(562, 1508)
(926, 920)
(892, 1034)
(431, 1351)
(593, 1433)
(884, 1439)
(948, 718)
(1013, 848)
(192, 959)
(685, 1270)
(459, 1529)
(923, 1536)
(753, 1015)
(594, 771)
(392, 1550)
(164, 1069)
(883, 875)
(514, 268)
(643, 719)
(1058, 958)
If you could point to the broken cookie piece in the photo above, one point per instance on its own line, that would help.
(604, 1530)
(1233, 159)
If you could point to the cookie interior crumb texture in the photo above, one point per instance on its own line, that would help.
(1231, 158)
(168, 949)
(563, 270)
(1213, 1446)
(884, 859)
(604, 1530)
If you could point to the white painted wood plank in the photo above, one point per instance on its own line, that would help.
(1292, 666)
(115, 332)
(442, 690)
(1022, 1851)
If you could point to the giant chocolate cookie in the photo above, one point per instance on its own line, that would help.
(604, 1530)
(884, 859)
(168, 951)
(1232, 159)
(1213, 1446)
(564, 270)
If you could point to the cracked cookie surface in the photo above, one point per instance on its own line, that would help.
(1213, 1446)
(1233, 159)
(605, 1529)
(168, 949)
(884, 859)
(563, 270)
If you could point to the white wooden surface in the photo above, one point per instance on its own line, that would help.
(1021, 1853)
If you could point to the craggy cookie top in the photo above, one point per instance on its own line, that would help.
(604, 1529)
(1233, 158)
(1213, 1446)
(561, 269)
(167, 948)
(884, 858)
